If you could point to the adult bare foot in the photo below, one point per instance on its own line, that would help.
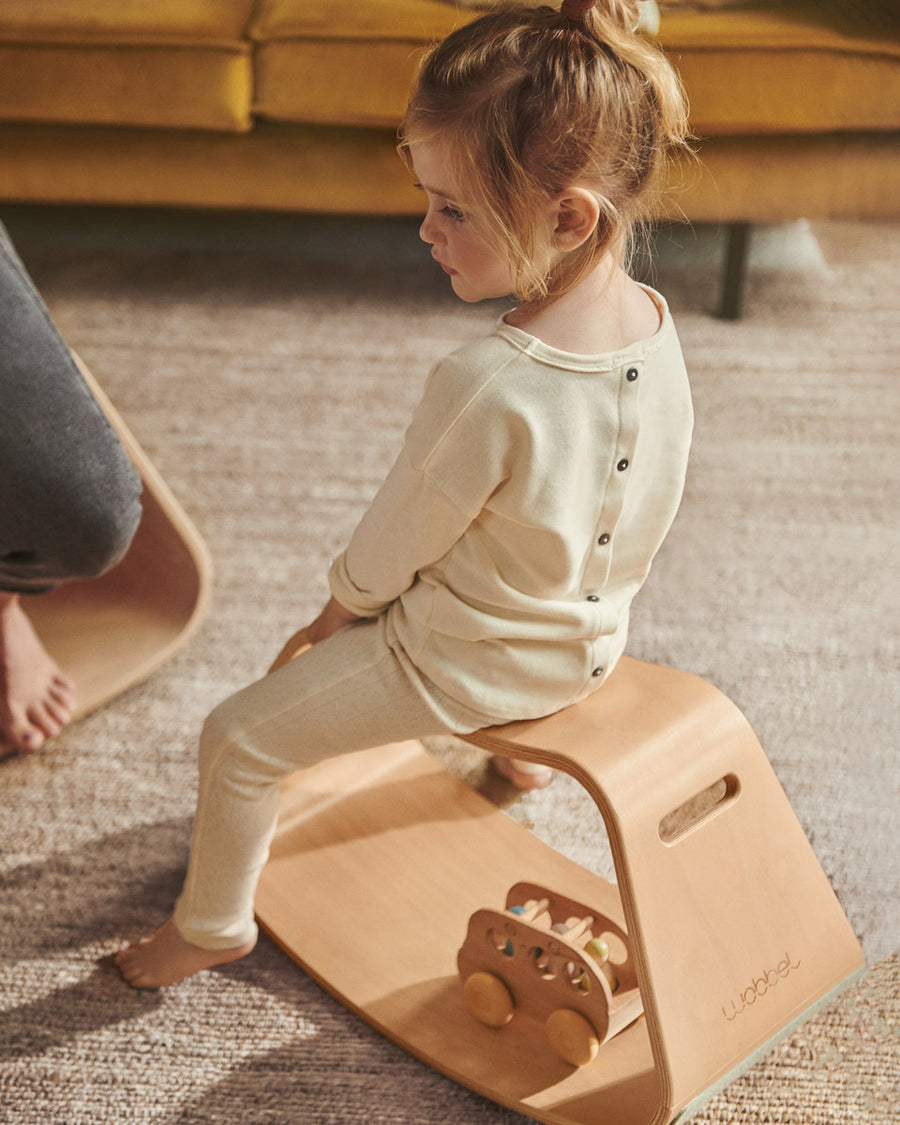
(524, 775)
(36, 698)
(166, 958)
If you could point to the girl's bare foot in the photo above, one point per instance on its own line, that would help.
(36, 698)
(524, 775)
(166, 958)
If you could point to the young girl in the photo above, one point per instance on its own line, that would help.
(491, 578)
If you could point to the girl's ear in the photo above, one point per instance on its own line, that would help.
(577, 214)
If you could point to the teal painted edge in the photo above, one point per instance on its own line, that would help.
(751, 1060)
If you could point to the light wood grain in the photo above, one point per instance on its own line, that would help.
(381, 858)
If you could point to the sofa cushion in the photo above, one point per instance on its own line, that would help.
(786, 69)
(758, 68)
(356, 61)
(175, 63)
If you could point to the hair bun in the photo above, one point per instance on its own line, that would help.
(576, 9)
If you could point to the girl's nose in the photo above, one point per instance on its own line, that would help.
(427, 230)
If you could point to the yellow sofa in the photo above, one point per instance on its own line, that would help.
(293, 105)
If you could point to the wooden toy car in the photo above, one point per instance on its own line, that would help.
(558, 961)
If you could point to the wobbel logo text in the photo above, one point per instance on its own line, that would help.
(760, 987)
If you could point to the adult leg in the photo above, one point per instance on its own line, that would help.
(69, 499)
(351, 692)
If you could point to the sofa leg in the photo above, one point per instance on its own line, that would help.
(735, 269)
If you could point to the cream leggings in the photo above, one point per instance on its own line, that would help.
(351, 692)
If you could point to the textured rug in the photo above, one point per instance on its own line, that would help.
(268, 367)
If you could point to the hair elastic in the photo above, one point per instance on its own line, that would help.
(576, 9)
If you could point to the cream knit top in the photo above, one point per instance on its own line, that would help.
(522, 515)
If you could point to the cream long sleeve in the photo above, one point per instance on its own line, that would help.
(522, 516)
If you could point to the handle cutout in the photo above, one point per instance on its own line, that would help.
(677, 824)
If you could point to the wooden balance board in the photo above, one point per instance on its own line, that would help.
(734, 934)
(112, 632)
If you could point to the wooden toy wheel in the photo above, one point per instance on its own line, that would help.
(572, 1037)
(488, 999)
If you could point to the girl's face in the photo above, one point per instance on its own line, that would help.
(477, 271)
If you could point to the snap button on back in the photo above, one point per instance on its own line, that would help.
(597, 672)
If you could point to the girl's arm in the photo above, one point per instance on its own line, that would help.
(454, 457)
(442, 478)
(410, 524)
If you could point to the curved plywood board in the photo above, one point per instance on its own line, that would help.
(381, 858)
(112, 632)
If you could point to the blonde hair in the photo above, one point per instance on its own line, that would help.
(527, 102)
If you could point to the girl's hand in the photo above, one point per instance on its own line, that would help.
(332, 618)
(298, 643)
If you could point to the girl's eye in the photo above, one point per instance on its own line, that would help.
(452, 213)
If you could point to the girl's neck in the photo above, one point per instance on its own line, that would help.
(605, 312)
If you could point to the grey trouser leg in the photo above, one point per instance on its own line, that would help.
(68, 493)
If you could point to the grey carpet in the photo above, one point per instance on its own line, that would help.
(268, 368)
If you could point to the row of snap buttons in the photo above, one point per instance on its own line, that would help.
(631, 374)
